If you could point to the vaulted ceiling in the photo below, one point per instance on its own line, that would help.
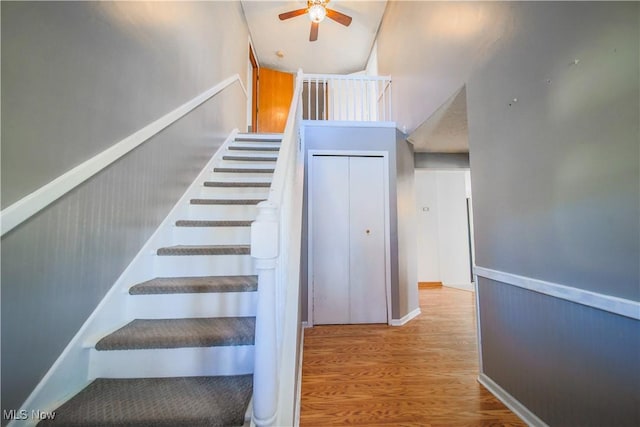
(338, 50)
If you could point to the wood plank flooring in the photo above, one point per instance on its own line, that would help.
(421, 374)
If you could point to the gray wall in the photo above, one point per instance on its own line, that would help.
(76, 78)
(400, 192)
(407, 226)
(556, 197)
(441, 160)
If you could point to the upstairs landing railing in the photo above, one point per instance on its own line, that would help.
(354, 97)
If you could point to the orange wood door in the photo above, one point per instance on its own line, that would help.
(275, 90)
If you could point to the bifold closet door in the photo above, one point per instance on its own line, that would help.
(367, 270)
(348, 240)
(330, 239)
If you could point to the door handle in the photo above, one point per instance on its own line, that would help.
(368, 231)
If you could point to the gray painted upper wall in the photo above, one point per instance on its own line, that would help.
(80, 76)
(556, 175)
(407, 225)
(76, 78)
(442, 160)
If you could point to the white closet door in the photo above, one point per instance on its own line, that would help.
(330, 239)
(367, 275)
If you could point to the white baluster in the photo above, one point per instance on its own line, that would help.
(317, 113)
(309, 98)
(390, 103)
(362, 99)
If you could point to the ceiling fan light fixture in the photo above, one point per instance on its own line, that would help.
(317, 13)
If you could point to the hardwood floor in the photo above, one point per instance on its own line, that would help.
(420, 374)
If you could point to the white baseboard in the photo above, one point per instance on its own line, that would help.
(296, 413)
(405, 319)
(511, 402)
(462, 286)
(70, 372)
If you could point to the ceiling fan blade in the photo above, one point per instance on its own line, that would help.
(313, 36)
(292, 14)
(340, 18)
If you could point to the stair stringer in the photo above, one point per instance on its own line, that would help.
(70, 372)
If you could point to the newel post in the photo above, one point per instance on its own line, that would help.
(264, 250)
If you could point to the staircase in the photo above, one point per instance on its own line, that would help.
(187, 359)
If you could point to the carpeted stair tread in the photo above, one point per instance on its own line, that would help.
(193, 285)
(250, 159)
(226, 201)
(158, 402)
(263, 139)
(205, 250)
(237, 184)
(178, 333)
(244, 170)
(252, 148)
(210, 223)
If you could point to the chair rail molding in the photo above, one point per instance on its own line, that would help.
(620, 306)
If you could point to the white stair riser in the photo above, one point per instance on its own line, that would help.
(222, 212)
(234, 192)
(258, 136)
(211, 235)
(173, 362)
(245, 163)
(178, 306)
(254, 152)
(239, 177)
(203, 265)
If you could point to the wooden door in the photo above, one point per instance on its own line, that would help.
(275, 91)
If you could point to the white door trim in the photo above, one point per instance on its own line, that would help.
(387, 223)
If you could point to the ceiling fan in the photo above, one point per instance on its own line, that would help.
(317, 10)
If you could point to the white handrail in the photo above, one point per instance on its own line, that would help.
(23, 209)
(275, 246)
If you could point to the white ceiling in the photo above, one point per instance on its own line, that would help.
(338, 50)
